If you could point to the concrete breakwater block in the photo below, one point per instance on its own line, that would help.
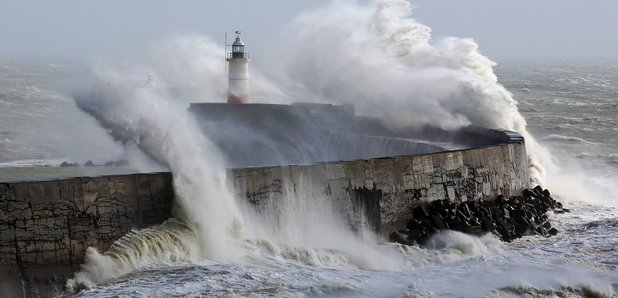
(508, 218)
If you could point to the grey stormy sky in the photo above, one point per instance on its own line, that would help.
(82, 29)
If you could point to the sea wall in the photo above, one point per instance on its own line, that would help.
(51, 223)
(261, 135)
(381, 193)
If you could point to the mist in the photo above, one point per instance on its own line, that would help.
(374, 56)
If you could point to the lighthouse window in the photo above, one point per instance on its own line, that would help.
(237, 49)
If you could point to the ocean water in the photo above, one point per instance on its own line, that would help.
(572, 108)
(568, 112)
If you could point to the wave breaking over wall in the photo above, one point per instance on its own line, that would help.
(137, 110)
(168, 243)
(378, 59)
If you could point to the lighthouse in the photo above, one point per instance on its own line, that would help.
(238, 75)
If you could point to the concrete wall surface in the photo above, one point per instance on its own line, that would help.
(46, 226)
(381, 193)
(53, 222)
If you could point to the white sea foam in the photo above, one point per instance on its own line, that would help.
(466, 244)
(566, 139)
(376, 57)
(137, 109)
(371, 55)
(32, 163)
(171, 242)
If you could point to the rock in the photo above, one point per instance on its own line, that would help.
(508, 218)
(553, 231)
(461, 216)
(522, 226)
(437, 222)
(398, 237)
(488, 225)
(464, 210)
(538, 191)
(419, 212)
(89, 164)
(475, 230)
(459, 224)
(505, 213)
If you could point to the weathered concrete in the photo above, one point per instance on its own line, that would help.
(51, 223)
(386, 189)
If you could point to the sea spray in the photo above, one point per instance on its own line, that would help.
(301, 223)
(142, 106)
(171, 242)
(377, 58)
(193, 69)
(136, 108)
(448, 84)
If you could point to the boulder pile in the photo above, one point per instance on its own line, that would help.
(507, 218)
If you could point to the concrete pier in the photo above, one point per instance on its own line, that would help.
(46, 226)
(387, 189)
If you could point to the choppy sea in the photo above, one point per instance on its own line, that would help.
(570, 107)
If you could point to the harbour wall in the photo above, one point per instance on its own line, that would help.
(381, 193)
(46, 226)
(51, 223)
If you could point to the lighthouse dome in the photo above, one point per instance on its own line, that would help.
(238, 42)
(238, 49)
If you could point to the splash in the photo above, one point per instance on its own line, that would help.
(138, 109)
(466, 244)
(374, 57)
(171, 242)
(304, 225)
(136, 106)
(380, 60)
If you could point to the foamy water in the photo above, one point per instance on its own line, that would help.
(220, 248)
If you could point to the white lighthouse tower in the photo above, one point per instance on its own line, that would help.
(238, 76)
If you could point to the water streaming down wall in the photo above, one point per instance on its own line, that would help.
(52, 222)
(383, 175)
(380, 194)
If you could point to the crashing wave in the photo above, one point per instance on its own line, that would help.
(171, 242)
(566, 139)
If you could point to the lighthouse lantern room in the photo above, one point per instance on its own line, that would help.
(238, 72)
